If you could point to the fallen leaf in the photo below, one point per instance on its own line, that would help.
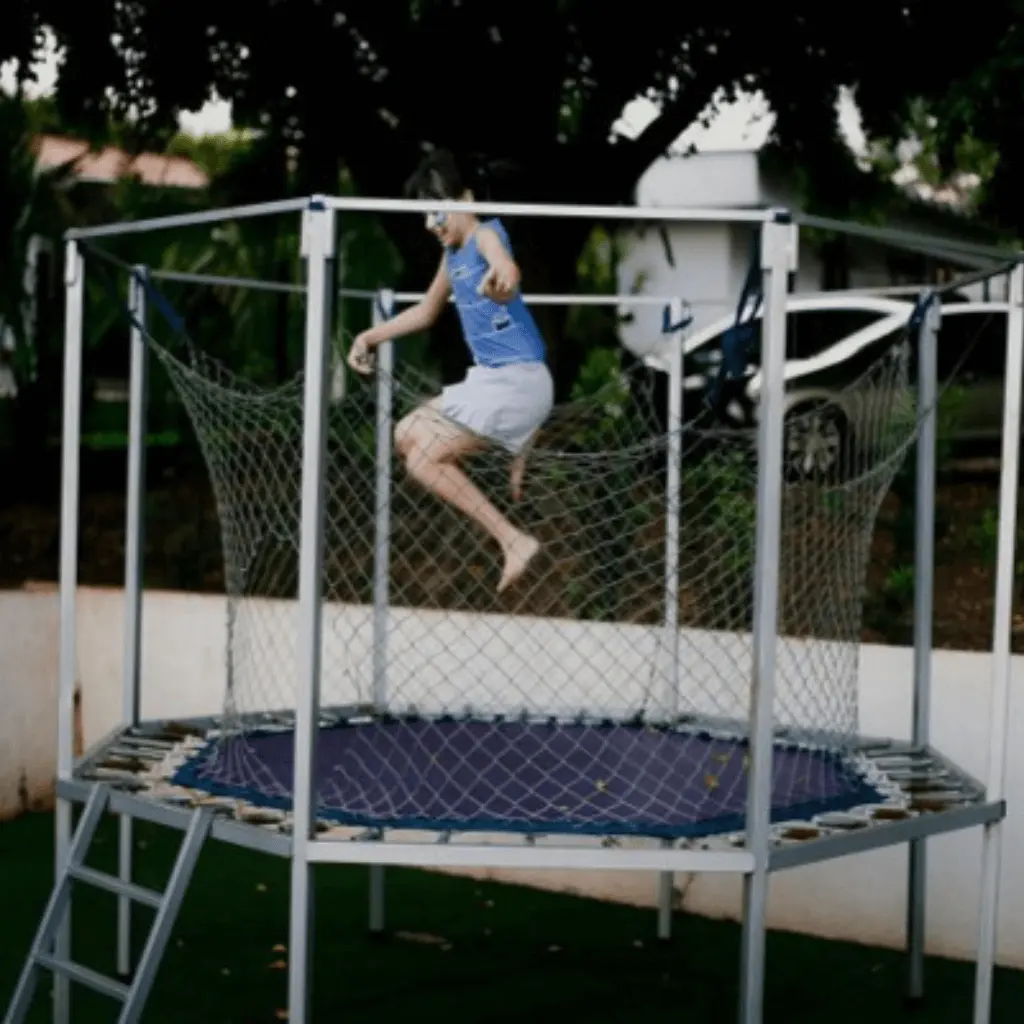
(279, 948)
(279, 965)
(423, 938)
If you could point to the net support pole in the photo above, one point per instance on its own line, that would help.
(383, 309)
(924, 597)
(778, 253)
(673, 504)
(318, 241)
(999, 712)
(74, 298)
(134, 546)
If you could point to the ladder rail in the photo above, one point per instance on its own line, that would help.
(56, 906)
(160, 932)
(42, 953)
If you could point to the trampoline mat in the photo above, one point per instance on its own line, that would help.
(527, 776)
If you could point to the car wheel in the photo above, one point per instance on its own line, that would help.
(816, 441)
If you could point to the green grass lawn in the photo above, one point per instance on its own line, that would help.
(462, 951)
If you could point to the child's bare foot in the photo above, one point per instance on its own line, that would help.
(517, 558)
(515, 477)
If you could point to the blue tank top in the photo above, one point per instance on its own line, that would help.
(496, 334)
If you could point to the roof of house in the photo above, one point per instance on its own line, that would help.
(110, 164)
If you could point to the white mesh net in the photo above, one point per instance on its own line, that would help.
(566, 703)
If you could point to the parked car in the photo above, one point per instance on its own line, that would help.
(831, 342)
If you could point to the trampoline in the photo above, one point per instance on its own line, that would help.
(529, 777)
(677, 691)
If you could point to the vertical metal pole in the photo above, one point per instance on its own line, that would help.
(318, 240)
(999, 715)
(74, 282)
(673, 509)
(383, 308)
(777, 251)
(924, 576)
(134, 547)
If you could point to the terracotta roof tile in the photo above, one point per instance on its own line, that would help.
(110, 164)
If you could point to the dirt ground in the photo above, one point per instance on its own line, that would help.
(183, 547)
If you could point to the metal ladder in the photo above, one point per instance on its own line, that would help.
(42, 956)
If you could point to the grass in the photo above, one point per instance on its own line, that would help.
(461, 951)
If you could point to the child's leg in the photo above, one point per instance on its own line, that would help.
(518, 468)
(431, 445)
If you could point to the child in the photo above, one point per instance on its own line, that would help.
(508, 392)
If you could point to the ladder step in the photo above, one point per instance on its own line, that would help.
(147, 897)
(91, 979)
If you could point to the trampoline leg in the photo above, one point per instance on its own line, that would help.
(924, 579)
(755, 914)
(376, 899)
(665, 888)
(124, 903)
(916, 902)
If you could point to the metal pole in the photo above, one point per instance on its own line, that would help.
(74, 279)
(999, 715)
(924, 577)
(707, 215)
(318, 239)
(777, 255)
(184, 220)
(383, 308)
(134, 546)
(673, 508)
(949, 247)
(74, 282)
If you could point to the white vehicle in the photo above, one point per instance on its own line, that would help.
(831, 341)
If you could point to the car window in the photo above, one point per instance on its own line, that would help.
(811, 331)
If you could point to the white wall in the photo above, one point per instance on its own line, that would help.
(859, 898)
(28, 698)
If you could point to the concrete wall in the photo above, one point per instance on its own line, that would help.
(858, 898)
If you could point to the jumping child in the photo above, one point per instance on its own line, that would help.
(507, 393)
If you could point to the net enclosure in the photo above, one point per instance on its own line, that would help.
(608, 692)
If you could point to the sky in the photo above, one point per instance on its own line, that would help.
(743, 124)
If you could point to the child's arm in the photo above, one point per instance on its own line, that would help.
(502, 280)
(409, 321)
(415, 318)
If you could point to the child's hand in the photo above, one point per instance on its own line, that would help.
(360, 355)
(498, 284)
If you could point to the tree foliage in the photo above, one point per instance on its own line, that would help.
(339, 90)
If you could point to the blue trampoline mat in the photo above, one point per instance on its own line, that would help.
(527, 776)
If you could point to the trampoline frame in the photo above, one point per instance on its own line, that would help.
(760, 853)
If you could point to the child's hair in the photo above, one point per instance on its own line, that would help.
(437, 177)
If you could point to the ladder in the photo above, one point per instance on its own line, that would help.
(42, 955)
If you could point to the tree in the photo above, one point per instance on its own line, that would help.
(529, 90)
(33, 205)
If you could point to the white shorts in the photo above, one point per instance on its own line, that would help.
(505, 404)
